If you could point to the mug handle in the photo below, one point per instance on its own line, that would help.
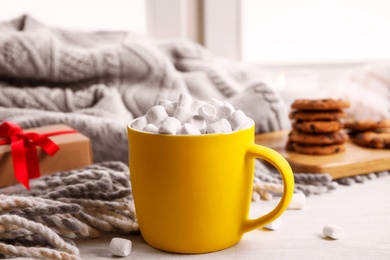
(281, 164)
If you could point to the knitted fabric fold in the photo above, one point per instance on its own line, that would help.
(42, 223)
(50, 69)
(96, 82)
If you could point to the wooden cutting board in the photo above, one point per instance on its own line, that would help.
(354, 161)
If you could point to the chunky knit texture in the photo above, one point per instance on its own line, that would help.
(96, 82)
(67, 205)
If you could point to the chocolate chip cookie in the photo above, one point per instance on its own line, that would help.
(317, 126)
(325, 138)
(372, 139)
(367, 125)
(320, 104)
(315, 149)
(312, 115)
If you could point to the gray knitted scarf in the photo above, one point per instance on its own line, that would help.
(96, 82)
(42, 222)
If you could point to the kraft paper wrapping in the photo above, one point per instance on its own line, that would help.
(75, 152)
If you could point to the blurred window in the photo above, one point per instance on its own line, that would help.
(298, 31)
(315, 31)
(81, 14)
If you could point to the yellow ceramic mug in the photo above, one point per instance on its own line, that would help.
(192, 193)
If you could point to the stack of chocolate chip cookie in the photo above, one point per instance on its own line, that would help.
(317, 129)
(368, 133)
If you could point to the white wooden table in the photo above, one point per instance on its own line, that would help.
(363, 210)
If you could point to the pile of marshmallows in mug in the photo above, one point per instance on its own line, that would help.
(192, 117)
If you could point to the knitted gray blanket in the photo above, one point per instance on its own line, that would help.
(96, 82)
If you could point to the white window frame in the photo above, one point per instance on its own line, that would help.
(166, 19)
(222, 33)
(186, 19)
(175, 18)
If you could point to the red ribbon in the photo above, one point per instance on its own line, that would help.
(24, 149)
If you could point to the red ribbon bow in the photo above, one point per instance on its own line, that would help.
(24, 149)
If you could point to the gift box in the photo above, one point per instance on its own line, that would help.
(65, 150)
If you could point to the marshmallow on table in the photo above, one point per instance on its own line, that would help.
(199, 122)
(221, 126)
(207, 111)
(333, 231)
(120, 246)
(225, 110)
(150, 128)
(156, 115)
(183, 114)
(189, 129)
(274, 225)
(298, 201)
(139, 123)
(239, 120)
(170, 125)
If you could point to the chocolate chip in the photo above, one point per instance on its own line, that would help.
(330, 136)
(359, 137)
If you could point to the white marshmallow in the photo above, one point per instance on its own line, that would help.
(298, 201)
(139, 123)
(120, 246)
(163, 102)
(221, 126)
(274, 225)
(225, 110)
(183, 114)
(189, 129)
(185, 100)
(156, 115)
(171, 107)
(215, 102)
(150, 128)
(239, 120)
(333, 231)
(199, 122)
(170, 125)
(207, 111)
(195, 105)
